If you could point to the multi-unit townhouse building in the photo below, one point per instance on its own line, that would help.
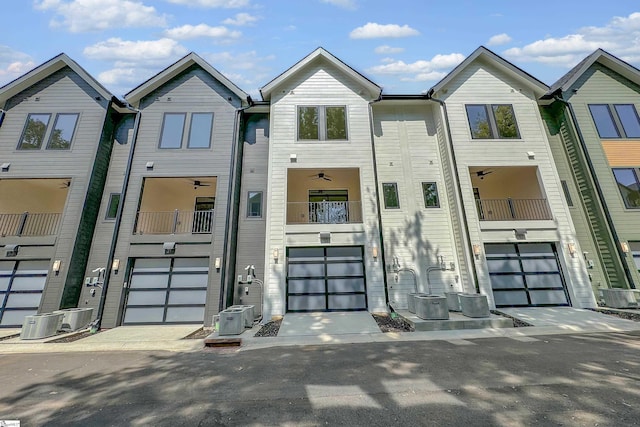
(55, 141)
(592, 117)
(333, 195)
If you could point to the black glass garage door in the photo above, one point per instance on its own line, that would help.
(525, 274)
(326, 279)
(21, 286)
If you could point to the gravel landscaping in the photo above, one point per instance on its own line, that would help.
(269, 329)
(517, 323)
(627, 315)
(387, 323)
(201, 333)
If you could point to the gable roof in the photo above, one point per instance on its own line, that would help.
(320, 52)
(45, 70)
(601, 56)
(135, 95)
(483, 52)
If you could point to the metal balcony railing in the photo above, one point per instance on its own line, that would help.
(324, 212)
(29, 224)
(513, 209)
(174, 222)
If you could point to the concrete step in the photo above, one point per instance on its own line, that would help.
(456, 321)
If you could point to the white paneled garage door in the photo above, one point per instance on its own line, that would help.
(326, 279)
(167, 290)
(21, 286)
(525, 274)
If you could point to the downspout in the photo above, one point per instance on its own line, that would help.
(596, 184)
(378, 205)
(227, 245)
(465, 222)
(118, 220)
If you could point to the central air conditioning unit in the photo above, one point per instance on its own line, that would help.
(474, 305)
(231, 321)
(432, 307)
(75, 318)
(619, 298)
(248, 313)
(40, 326)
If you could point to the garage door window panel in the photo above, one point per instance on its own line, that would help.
(511, 298)
(345, 285)
(308, 286)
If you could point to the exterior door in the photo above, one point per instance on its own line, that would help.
(167, 290)
(329, 206)
(327, 278)
(525, 274)
(21, 286)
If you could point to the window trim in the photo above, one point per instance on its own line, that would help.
(109, 204)
(636, 174)
(322, 123)
(24, 130)
(162, 129)
(395, 186)
(261, 204)
(73, 132)
(191, 127)
(424, 197)
(489, 110)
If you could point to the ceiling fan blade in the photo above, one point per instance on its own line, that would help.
(326, 179)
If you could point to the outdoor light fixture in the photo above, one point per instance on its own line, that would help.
(169, 248)
(56, 267)
(572, 249)
(276, 255)
(149, 166)
(374, 252)
(625, 247)
(216, 264)
(477, 250)
(531, 155)
(6, 166)
(115, 266)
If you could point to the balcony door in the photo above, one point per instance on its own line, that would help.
(328, 206)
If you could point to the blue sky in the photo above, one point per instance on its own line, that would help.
(405, 46)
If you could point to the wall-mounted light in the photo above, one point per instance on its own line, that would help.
(149, 166)
(169, 248)
(374, 252)
(531, 155)
(276, 255)
(477, 251)
(11, 250)
(115, 266)
(6, 166)
(56, 267)
(572, 249)
(625, 247)
(293, 158)
(216, 264)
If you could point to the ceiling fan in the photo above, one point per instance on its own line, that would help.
(65, 184)
(321, 175)
(197, 183)
(482, 173)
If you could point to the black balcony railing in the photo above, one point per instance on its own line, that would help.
(174, 222)
(513, 209)
(29, 224)
(324, 212)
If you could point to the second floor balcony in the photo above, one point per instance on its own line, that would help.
(513, 209)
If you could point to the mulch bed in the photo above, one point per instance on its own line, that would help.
(269, 329)
(627, 315)
(72, 337)
(517, 323)
(8, 337)
(387, 323)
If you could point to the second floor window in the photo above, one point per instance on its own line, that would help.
(621, 121)
(629, 186)
(497, 121)
(322, 123)
(390, 195)
(36, 130)
(173, 130)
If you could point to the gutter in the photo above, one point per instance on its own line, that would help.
(379, 205)
(116, 227)
(599, 192)
(465, 223)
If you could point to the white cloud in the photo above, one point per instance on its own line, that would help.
(499, 39)
(372, 30)
(422, 70)
(13, 64)
(95, 15)
(187, 32)
(241, 19)
(248, 70)
(142, 51)
(225, 4)
(619, 36)
(346, 4)
(388, 50)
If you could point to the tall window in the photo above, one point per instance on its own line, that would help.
(200, 131)
(390, 194)
(112, 207)
(254, 204)
(629, 186)
(62, 133)
(34, 131)
(430, 193)
(492, 121)
(621, 121)
(635, 252)
(322, 123)
(172, 130)
(37, 129)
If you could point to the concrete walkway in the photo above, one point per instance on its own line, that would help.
(569, 318)
(327, 324)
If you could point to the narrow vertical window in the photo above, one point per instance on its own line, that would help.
(112, 207)
(390, 193)
(567, 195)
(430, 193)
(629, 119)
(172, 130)
(308, 123)
(200, 131)
(628, 186)
(254, 204)
(479, 122)
(336, 122)
(34, 131)
(62, 133)
(603, 119)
